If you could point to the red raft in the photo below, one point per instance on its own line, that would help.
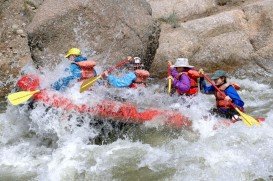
(107, 109)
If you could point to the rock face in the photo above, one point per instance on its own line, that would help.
(14, 50)
(232, 35)
(113, 29)
(182, 8)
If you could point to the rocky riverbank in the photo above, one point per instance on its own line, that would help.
(232, 35)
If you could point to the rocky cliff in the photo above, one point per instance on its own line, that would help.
(232, 35)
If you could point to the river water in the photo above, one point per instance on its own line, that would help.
(46, 144)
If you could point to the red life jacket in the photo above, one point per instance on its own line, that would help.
(220, 99)
(135, 85)
(193, 75)
(142, 76)
(87, 69)
(29, 82)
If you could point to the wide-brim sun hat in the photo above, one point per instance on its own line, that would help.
(218, 74)
(182, 62)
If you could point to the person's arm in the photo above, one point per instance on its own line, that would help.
(233, 94)
(204, 88)
(124, 81)
(174, 73)
(62, 83)
(183, 83)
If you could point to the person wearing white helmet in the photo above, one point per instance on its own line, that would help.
(80, 69)
(134, 78)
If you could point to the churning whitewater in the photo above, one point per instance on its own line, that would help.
(50, 144)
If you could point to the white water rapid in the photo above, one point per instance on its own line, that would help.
(47, 145)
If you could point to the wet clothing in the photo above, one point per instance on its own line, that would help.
(124, 81)
(185, 84)
(225, 113)
(76, 73)
(223, 107)
(131, 79)
(29, 82)
(135, 85)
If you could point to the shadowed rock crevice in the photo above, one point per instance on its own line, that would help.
(152, 46)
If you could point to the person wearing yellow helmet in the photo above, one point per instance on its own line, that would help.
(80, 69)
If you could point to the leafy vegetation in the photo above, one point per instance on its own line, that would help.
(172, 19)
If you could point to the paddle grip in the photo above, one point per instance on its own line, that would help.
(169, 81)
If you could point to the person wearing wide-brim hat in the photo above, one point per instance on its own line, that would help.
(184, 77)
(224, 106)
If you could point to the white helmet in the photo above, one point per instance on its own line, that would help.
(137, 60)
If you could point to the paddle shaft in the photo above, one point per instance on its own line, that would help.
(120, 64)
(169, 80)
(89, 82)
(221, 92)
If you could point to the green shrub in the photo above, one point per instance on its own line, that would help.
(172, 19)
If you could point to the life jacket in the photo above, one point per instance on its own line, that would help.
(220, 99)
(87, 69)
(29, 82)
(141, 77)
(193, 75)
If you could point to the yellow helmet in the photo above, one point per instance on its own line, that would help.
(73, 51)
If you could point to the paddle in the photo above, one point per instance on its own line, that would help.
(21, 97)
(247, 119)
(90, 82)
(169, 79)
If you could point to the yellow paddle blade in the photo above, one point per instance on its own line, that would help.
(169, 85)
(88, 83)
(21, 97)
(247, 119)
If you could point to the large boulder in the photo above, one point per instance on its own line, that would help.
(259, 16)
(237, 38)
(209, 42)
(14, 49)
(109, 28)
(183, 9)
(174, 43)
(227, 51)
(224, 41)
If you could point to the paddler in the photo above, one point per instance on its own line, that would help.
(79, 69)
(136, 76)
(224, 106)
(184, 77)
